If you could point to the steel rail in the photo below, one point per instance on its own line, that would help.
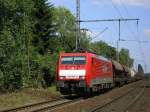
(55, 106)
(41, 106)
(30, 105)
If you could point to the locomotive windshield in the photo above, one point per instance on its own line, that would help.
(77, 60)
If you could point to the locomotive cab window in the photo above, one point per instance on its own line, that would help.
(79, 60)
(76, 60)
(67, 60)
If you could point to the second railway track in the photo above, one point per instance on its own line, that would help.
(115, 106)
(55, 105)
(42, 106)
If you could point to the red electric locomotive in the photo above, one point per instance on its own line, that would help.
(85, 72)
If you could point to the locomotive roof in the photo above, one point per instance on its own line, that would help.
(73, 54)
(85, 53)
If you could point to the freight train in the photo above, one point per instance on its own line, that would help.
(87, 73)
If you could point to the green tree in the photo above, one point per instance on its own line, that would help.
(44, 41)
(102, 48)
(124, 57)
(66, 30)
(44, 30)
(84, 40)
(65, 22)
(15, 29)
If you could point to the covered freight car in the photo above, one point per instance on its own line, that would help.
(119, 74)
(133, 75)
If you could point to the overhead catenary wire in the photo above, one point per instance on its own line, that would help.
(116, 8)
(129, 28)
(99, 33)
(125, 8)
(121, 19)
(119, 33)
(137, 37)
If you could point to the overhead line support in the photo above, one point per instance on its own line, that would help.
(119, 34)
(107, 20)
(77, 24)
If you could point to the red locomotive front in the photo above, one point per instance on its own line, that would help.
(72, 66)
(71, 72)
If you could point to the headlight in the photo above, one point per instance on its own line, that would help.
(62, 77)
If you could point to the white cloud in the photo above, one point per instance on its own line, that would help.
(143, 3)
(147, 32)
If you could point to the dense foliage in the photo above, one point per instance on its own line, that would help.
(32, 33)
(15, 34)
(102, 48)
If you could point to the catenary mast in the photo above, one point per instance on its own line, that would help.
(78, 24)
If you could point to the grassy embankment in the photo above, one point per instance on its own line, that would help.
(27, 96)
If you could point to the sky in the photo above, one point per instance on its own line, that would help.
(130, 30)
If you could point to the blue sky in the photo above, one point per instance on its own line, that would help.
(109, 9)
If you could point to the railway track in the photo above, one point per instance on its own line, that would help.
(138, 96)
(58, 103)
(135, 99)
(43, 106)
(104, 107)
(21, 108)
